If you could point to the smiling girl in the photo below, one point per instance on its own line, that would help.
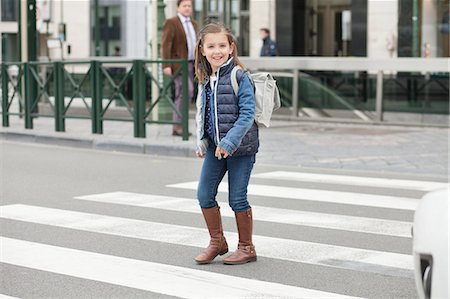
(227, 139)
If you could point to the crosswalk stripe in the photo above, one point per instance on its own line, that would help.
(351, 180)
(293, 217)
(7, 297)
(143, 275)
(353, 198)
(285, 249)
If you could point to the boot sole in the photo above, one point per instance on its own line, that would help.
(209, 261)
(240, 262)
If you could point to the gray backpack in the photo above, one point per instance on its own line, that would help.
(266, 94)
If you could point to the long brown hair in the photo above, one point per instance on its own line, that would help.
(202, 66)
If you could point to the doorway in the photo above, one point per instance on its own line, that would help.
(333, 28)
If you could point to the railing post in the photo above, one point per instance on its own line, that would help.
(295, 93)
(139, 98)
(96, 95)
(185, 111)
(59, 97)
(5, 96)
(379, 96)
(28, 96)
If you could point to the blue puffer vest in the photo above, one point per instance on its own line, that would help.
(236, 129)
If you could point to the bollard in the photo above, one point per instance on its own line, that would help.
(96, 90)
(28, 97)
(58, 71)
(139, 98)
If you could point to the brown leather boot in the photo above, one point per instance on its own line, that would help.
(217, 245)
(246, 251)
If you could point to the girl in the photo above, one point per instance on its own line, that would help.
(227, 139)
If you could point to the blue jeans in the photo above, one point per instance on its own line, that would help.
(239, 170)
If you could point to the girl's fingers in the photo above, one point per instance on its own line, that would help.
(218, 153)
(221, 151)
(224, 152)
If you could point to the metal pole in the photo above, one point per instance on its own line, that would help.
(19, 31)
(28, 53)
(59, 97)
(185, 106)
(96, 90)
(23, 44)
(379, 96)
(31, 31)
(5, 99)
(164, 111)
(415, 29)
(139, 98)
(295, 93)
(154, 56)
(32, 52)
(96, 28)
(28, 100)
(20, 88)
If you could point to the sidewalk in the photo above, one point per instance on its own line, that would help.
(407, 150)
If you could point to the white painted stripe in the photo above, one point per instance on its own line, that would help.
(143, 275)
(351, 180)
(285, 249)
(360, 199)
(293, 217)
(7, 297)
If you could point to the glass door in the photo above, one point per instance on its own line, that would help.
(328, 27)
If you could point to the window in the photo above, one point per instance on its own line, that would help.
(110, 29)
(9, 10)
(233, 13)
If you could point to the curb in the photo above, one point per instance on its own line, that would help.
(103, 144)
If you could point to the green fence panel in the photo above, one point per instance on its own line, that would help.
(5, 96)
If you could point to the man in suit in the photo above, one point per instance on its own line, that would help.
(179, 37)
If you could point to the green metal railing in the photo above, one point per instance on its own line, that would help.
(98, 86)
(11, 89)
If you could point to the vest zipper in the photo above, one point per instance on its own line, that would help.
(216, 118)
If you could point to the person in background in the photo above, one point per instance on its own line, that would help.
(269, 47)
(117, 72)
(117, 51)
(179, 36)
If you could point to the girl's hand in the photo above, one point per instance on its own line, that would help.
(199, 154)
(221, 151)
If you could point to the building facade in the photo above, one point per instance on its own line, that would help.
(365, 28)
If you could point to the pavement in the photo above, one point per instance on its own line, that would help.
(421, 151)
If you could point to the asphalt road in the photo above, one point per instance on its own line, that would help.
(88, 224)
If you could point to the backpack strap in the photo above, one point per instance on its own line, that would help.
(234, 80)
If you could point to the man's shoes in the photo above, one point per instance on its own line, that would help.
(178, 133)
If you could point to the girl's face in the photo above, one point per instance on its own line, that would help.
(216, 49)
